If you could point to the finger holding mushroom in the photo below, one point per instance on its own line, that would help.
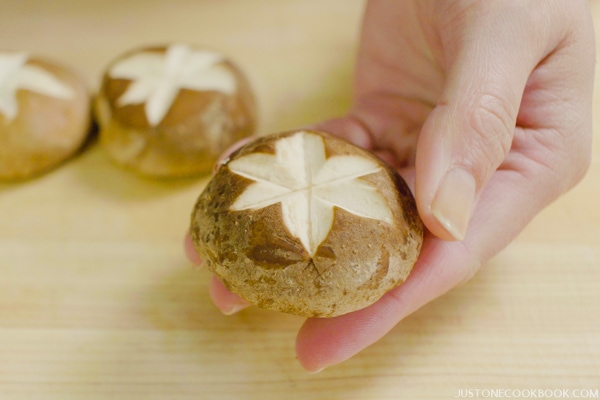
(44, 114)
(307, 223)
(170, 111)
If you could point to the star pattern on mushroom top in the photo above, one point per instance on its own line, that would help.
(157, 77)
(308, 185)
(16, 74)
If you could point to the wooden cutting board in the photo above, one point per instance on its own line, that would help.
(97, 300)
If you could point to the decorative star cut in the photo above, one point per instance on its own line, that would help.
(158, 78)
(16, 74)
(308, 186)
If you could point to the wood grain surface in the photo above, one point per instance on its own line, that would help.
(97, 300)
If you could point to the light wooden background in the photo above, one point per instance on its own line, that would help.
(97, 300)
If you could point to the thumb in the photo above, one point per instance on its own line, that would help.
(469, 133)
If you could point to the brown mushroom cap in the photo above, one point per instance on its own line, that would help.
(198, 126)
(256, 255)
(46, 130)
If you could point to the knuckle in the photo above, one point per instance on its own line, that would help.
(492, 123)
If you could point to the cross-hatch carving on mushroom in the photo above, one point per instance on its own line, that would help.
(16, 74)
(308, 186)
(157, 78)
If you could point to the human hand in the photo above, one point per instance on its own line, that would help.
(485, 109)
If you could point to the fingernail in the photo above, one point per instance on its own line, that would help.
(316, 371)
(453, 201)
(225, 156)
(233, 309)
(220, 162)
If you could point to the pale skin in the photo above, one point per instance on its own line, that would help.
(485, 108)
